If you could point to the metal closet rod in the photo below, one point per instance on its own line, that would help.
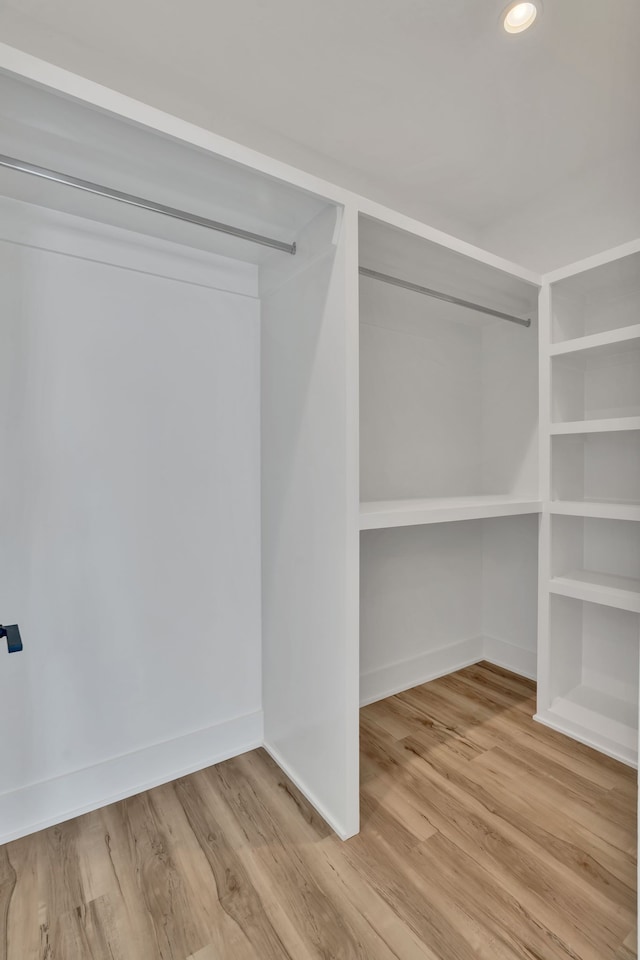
(45, 174)
(407, 285)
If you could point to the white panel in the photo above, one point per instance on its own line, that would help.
(612, 467)
(129, 427)
(421, 591)
(567, 545)
(510, 580)
(610, 651)
(510, 409)
(420, 386)
(612, 546)
(566, 645)
(310, 524)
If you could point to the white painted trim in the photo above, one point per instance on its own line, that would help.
(396, 677)
(510, 657)
(349, 226)
(38, 71)
(40, 805)
(309, 794)
(65, 234)
(598, 260)
(544, 478)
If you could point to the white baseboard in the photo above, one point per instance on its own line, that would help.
(49, 802)
(602, 744)
(509, 657)
(309, 794)
(397, 677)
(406, 674)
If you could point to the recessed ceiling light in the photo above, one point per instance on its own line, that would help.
(519, 16)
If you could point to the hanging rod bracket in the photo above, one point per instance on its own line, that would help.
(426, 291)
(128, 198)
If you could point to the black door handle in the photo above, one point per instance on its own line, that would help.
(14, 640)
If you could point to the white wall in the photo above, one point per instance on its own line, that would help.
(510, 592)
(576, 219)
(448, 400)
(420, 383)
(437, 597)
(421, 604)
(129, 515)
(510, 408)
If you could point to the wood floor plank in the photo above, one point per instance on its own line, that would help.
(485, 836)
(284, 866)
(8, 880)
(515, 862)
(517, 803)
(235, 889)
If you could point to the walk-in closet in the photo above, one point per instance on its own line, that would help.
(272, 452)
(448, 462)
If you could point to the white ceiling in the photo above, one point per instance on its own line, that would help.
(423, 104)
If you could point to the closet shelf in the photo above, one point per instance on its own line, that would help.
(380, 514)
(596, 508)
(598, 344)
(602, 721)
(610, 425)
(612, 591)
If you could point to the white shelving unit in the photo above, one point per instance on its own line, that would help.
(589, 604)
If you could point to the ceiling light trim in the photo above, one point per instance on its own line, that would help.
(517, 17)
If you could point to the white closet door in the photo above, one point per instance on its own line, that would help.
(129, 523)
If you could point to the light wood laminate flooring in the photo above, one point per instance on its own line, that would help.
(484, 835)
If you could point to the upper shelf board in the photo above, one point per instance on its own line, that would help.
(610, 425)
(599, 344)
(383, 514)
(596, 508)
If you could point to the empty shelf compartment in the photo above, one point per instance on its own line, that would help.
(594, 654)
(597, 301)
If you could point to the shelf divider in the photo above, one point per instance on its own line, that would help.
(612, 591)
(598, 342)
(610, 425)
(596, 508)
